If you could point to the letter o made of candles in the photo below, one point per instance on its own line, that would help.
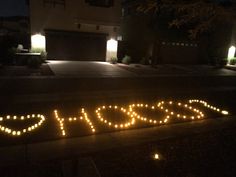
(110, 123)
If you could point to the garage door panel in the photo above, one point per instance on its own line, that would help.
(76, 46)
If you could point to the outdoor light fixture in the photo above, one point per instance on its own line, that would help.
(38, 42)
(231, 52)
(112, 46)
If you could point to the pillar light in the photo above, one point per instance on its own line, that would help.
(38, 42)
(231, 52)
(112, 46)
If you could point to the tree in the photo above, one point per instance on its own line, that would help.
(199, 16)
(210, 22)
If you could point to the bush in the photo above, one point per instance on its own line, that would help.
(232, 61)
(126, 60)
(11, 54)
(36, 50)
(34, 62)
(144, 61)
(43, 55)
(223, 62)
(113, 60)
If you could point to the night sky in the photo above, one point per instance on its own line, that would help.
(13, 8)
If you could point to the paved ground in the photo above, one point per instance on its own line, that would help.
(104, 69)
(99, 80)
(87, 69)
(77, 84)
(65, 148)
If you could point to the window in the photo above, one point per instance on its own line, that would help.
(100, 3)
(54, 2)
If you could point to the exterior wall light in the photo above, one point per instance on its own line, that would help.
(38, 42)
(112, 46)
(231, 52)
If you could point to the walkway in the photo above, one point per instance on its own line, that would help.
(87, 69)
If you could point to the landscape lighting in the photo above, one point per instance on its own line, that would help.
(111, 52)
(112, 45)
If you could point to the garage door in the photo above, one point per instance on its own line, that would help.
(62, 45)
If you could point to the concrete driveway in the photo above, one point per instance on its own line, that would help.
(87, 69)
(95, 69)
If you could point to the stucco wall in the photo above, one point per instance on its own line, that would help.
(75, 12)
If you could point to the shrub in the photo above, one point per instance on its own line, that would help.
(34, 62)
(113, 60)
(11, 54)
(144, 61)
(223, 62)
(43, 55)
(126, 60)
(232, 61)
(36, 50)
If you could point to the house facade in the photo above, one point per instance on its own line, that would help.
(76, 29)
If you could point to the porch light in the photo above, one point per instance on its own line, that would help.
(231, 52)
(38, 42)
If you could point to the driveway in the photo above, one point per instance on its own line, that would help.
(106, 70)
(87, 69)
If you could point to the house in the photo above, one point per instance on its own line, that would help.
(76, 29)
(149, 36)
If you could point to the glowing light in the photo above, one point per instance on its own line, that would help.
(231, 52)
(109, 122)
(24, 130)
(38, 41)
(112, 46)
(205, 104)
(84, 117)
(170, 109)
(225, 112)
(156, 156)
(145, 119)
(198, 113)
